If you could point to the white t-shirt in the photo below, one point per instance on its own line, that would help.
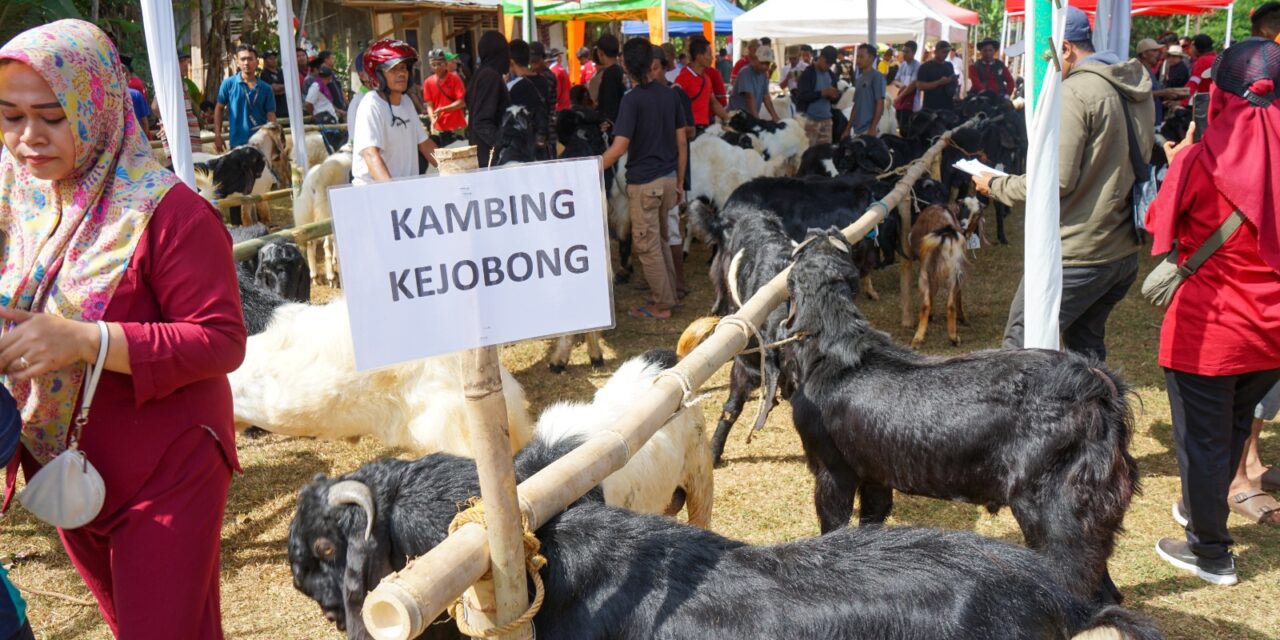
(319, 102)
(790, 75)
(353, 108)
(394, 129)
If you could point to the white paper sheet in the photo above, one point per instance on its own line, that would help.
(976, 168)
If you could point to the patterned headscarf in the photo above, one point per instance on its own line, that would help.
(69, 241)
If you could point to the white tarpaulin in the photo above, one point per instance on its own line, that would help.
(162, 46)
(1111, 27)
(292, 91)
(791, 22)
(1042, 268)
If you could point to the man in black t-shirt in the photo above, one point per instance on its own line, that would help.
(938, 80)
(524, 91)
(650, 130)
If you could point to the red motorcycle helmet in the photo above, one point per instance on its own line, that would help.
(384, 54)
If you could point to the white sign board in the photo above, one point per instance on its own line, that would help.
(438, 264)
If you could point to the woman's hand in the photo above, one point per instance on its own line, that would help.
(42, 343)
(1171, 150)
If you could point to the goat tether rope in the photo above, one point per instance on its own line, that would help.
(533, 560)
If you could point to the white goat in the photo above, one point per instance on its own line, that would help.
(717, 167)
(312, 205)
(299, 379)
(675, 460)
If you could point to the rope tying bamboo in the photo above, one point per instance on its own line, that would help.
(533, 560)
(687, 388)
(752, 331)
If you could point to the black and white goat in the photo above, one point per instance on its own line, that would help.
(517, 140)
(613, 573)
(277, 266)
(1045, 433)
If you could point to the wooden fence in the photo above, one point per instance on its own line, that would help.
(405, 602)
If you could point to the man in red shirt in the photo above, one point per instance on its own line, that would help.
(1202, 50)
(748, 57)
(989, 74)
(698, 80)
(562, 79)
(587, 64)
(444, 96)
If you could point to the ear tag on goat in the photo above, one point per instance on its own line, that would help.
(975, 242)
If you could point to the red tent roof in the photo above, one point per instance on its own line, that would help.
(1139, 7)
(959, 14)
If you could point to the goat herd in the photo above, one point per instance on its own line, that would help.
(1044, 433)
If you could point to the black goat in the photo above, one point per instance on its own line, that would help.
(579, 129)
(866, 154)
(1044, 432)
(257, 303)
(517, 140)
(279, 265)
(743, 122)
(752, 248)
(233, 172)
(616, 574)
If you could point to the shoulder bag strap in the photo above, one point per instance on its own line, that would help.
(93, 373)
(1140, 173)
(1211, 244)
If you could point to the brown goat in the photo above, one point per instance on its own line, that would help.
(937, 243)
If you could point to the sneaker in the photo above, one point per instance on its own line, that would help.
(1178, 553)
(1180, 514)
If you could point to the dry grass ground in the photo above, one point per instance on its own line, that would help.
(764, 492)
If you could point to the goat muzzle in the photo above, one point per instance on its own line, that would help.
(354, 492)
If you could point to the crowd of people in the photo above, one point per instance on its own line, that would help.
(152, 293)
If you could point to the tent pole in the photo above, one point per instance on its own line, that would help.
(529, 22)
(871, 23)
(1186, 25)
(1004, 37)
(666, 35)
(1198, 22)
(1231, 14)
(292, 92)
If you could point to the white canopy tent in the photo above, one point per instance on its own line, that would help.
(842, 22)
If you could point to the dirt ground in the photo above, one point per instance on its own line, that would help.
(763, 492)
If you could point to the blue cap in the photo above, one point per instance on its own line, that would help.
(1078, 29)
(10, 426)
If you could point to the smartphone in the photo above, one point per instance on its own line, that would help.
(1200, 113)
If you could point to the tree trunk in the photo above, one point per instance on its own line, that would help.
(215, 47)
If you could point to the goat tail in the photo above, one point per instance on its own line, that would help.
(1117, 623)
(695, 334)
(204, 183)
(705, 222)
(1104, 475)
(699, 485)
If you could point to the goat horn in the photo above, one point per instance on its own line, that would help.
(357, 493)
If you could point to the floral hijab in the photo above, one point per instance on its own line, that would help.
(69, 242)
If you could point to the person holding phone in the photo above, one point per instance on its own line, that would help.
(1220, 339)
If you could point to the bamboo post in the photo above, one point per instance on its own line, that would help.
(904, 266)
(235, 201)
(405, 602)
(491, 603)
(249, 248)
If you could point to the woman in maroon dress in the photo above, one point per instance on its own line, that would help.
(95, 230)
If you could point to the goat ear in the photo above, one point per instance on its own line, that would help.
(368, 562)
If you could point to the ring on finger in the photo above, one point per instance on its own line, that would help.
(23, 363)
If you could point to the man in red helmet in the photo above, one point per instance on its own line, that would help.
(388, 134)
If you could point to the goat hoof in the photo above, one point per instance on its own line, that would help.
(873, 296)
(597, 363)
(915, 344)
(557, 368)
(955, 341)
(622, 278)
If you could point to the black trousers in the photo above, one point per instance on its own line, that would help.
(1088, 296)
(1212, 419)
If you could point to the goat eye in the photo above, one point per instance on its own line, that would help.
(323, 549)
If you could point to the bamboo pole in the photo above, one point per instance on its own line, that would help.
(407, 601)
(495, 602)
(904, 264)
(235, 201)
(249, 248)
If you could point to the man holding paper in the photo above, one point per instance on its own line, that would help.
(1105, 102)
